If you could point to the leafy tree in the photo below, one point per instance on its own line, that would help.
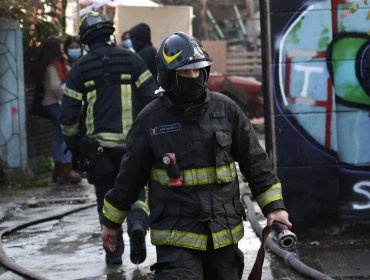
(38, 20)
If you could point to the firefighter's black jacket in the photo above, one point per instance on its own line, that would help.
(112, 85)
(207, 139)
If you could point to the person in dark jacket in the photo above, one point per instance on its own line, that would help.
(187, 154)
(140, 36)
(111, 85)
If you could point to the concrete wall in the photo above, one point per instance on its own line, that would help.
(13, 145)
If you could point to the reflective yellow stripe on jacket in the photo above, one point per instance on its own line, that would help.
(73, 94)
(196, 240)
(89, 122)
(227, 236)
(143, 77)
(70, 130)
(272, 194)
(199, 176)
(114, 214)
(142, 204)
(108, 139)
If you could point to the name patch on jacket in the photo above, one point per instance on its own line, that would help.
(165, 129)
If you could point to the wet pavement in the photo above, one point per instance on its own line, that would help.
(69, 247)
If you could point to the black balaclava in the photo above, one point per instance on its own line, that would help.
(187, 90)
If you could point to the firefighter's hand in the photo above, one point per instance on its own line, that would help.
(109, 238)
(280, 216)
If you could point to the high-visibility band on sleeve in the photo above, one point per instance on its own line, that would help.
(73, 94)
(199, 176)
(70, 130)
(113, 214)
(143, 77)
(272, 194)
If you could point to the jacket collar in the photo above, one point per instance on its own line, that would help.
(189, 111)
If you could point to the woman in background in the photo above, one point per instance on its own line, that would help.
(52, 74)
(73, 49)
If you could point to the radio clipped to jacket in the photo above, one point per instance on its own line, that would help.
(172, 169)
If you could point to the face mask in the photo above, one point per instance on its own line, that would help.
(188, 90)
(127, 43)
(74, 53)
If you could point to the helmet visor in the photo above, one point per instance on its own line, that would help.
(195, 65)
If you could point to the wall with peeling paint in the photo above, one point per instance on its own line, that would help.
(319, 124)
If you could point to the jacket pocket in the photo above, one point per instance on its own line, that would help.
(223, 148)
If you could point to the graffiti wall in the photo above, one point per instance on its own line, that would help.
(13, 147)
(319, 112)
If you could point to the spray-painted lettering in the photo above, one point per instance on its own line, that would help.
(362, 188)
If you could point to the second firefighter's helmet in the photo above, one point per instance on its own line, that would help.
(179, 51)
(95, 25)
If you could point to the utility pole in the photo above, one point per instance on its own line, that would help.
(203, 26)
(77, 15)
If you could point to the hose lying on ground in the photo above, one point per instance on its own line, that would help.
(9, 263)
(290, 258)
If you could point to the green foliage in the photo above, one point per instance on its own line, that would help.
(41, 166)
(34, 183)
(38, 19)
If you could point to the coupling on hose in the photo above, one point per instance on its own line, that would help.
(284, 237)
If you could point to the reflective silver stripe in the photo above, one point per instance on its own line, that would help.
(199, 176)
(113, 214)
(143, 77)
(126, 107)
(179, 238)
(227, 236)
(89, 122)
(70, 130)
(73, 94)
(272, 194)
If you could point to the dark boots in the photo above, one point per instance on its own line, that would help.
(64, 174)
(137, 243)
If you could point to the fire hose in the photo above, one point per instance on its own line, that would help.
(9, 263)
(290, 258)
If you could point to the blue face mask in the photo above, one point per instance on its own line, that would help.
(127, 43)
(74, 53)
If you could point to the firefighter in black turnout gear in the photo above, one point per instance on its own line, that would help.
(105, 91)
(187, 154)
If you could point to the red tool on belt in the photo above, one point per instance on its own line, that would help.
(173, 170)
